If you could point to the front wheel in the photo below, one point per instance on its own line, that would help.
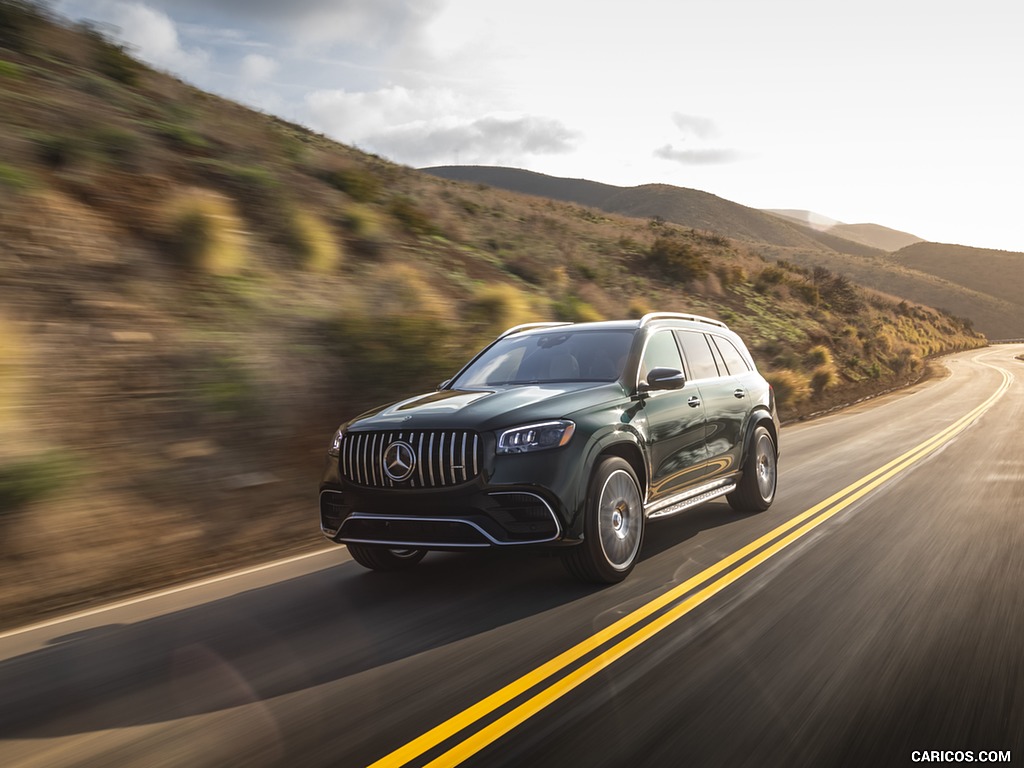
(613, 525)
(379, 558)
(756, 490)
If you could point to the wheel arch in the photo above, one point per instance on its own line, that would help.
(622, 443)
(760, 418)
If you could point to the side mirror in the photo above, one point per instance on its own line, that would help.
(664, 378)
(444, 384)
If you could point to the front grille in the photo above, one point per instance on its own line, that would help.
(440, 458)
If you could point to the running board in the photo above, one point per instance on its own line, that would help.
(692, 498)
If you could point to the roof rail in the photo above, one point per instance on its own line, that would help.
(650, 317)
(529, 326)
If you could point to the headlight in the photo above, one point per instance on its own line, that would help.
(335, 449)
(535, 437)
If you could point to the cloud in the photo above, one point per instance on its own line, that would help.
(700, 127)
(419, 127)
(151, 35)
(489, 139)
(256, 67)
(370, 24)
(696, 156)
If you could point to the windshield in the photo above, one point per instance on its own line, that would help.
(557, 356)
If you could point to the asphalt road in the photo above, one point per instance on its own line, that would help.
(875, 611)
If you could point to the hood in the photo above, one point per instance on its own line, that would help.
(488, 409)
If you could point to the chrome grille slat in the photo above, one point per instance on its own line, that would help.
(443, 458)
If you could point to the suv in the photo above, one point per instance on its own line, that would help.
(564, 435)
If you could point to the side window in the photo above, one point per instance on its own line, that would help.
(661, 352)
(698, 355)
(734, 361)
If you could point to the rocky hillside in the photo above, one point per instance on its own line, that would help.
(193, 295)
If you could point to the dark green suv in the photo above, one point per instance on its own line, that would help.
(560, 435)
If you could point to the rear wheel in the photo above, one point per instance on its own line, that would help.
(613, 526)
(379, 558)
(756, 490)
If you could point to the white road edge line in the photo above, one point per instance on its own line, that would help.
(169, 591)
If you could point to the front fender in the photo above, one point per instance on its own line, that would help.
(622, 440)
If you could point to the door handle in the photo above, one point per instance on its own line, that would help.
(740, 393)
(693, 402)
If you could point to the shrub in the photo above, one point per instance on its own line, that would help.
(204, 233)
(731, 275)
(818, 356)
(790, 387)
(676, 259)
(638, 308)
(498, 306)
(29, 479)
(10, 71)
(14, 179)
(395, 353)
(573, 309)
(119, 146)
(367, 228)
(823, 378)
(111, 58)
(411, 216)
(358, 183)
(178, 136)
(17, 18)
(13, 353)
(768, 277)
(225, 385)
(315, 243)
(58, 151)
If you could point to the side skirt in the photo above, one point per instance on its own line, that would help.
(690, 499)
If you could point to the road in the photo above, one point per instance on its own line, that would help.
(876, 610)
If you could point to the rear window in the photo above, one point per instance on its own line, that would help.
(734, 361)
(555, 356)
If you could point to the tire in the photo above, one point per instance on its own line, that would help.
(756, 490)
(379, 558)
(613, 525)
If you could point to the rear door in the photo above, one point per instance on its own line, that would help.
(725, 402)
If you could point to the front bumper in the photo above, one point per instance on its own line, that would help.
(515, 500)
(495, 518)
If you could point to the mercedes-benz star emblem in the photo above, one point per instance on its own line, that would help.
(399, 461)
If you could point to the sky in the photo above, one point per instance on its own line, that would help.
(904, 113)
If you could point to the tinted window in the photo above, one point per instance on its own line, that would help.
(661, 352)
(549, 357)
(734, 361)
(698, 355)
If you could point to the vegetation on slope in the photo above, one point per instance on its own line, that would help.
(193, 295)
(969, 282)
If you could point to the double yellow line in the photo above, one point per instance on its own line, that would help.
(710, 583)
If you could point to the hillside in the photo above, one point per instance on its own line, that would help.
(994, 273)
(860, 252)
(193, 295)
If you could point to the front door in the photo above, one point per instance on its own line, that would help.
(675, 423)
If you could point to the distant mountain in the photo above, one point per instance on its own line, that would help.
(871, 235)
(688, 207)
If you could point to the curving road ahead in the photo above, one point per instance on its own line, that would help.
(874, 612)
